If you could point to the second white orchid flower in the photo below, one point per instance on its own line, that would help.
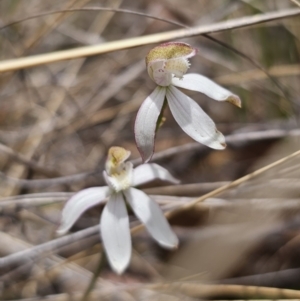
(114, 223)
(167, 65)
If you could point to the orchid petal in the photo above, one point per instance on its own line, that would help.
(148, 172)
(151, 215)
(193, 120)
(115, 232)
(145, 123)
(202, 84)
(79, 203)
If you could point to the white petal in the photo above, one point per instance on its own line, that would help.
(193, 120)
(115, 232)
(79, 203)
(145, 123)
(151, 215)
(149, 172)
(200, 83)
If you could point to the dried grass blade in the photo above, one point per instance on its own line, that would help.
(47, 58)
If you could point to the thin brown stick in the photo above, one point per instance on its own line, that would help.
(46, 248)
(257, 75)
(118, 10)
(47, 58)
(221, 189)
(91, 8)
(50, 182)
(230, 139)
(241, 180)
(282, 278)
(296, 2)
(29, 163)
(35, 137)
(197, 290)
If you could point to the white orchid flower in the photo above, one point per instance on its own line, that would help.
(121, 179)
(167, 65)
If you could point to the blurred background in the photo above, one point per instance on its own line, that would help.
(58, 120)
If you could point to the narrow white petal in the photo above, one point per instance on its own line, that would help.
(200, 83)
(115, 232)
(193, 120)
(151, 215)
(148, 172)
(79, 203)
(145, 123)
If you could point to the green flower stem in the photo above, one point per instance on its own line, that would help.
(161, 119)
(101, 263)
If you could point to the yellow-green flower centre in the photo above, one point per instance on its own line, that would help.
(118, 173)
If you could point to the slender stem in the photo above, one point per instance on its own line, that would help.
(101, 263)
(161, 119)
